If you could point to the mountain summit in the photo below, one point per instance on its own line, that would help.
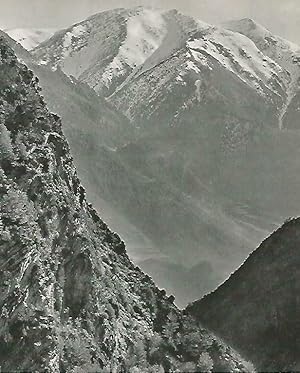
(144, 38)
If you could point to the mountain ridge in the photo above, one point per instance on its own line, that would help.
(257, 306)
(284, 52)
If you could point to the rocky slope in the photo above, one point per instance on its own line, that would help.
(205, 172)
(71, 300)
(257, 308)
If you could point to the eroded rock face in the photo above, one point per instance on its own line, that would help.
(71, 300)
(257, 309)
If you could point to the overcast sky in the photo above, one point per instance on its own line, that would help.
(280, 16)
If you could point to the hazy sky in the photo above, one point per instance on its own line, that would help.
(280, 16)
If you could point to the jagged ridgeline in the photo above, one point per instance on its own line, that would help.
(71, 300)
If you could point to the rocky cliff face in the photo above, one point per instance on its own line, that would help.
(257, 308)
(71, 300)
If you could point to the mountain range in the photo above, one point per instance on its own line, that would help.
(185, 136)
(208, 167)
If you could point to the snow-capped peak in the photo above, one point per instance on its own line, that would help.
(247, 25)
(104, 49)
(112, 48)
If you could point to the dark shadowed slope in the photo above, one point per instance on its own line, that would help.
(257, 309)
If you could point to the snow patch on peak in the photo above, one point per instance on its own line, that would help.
(199, 57)
(146, 29)
(198, 85)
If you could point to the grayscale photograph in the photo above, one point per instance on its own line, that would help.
(149, 186)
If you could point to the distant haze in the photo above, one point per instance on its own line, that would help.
(280, 16)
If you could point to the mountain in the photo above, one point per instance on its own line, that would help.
(207, 169)
(148, 38)
(29, 38)
(285, 53)
(71, 300)
(257, 308)
(107, 47)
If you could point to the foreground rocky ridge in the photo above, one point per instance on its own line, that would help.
(71, 300)
(257, 308)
